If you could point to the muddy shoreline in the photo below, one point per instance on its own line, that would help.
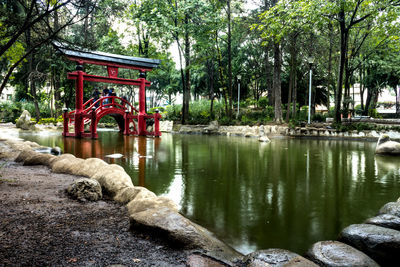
(41, 226)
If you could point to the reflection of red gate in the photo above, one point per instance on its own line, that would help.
(129, 119)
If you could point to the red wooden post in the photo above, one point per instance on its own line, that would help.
(142, 105)
(79, 127)
(93, 124)
(65, 116)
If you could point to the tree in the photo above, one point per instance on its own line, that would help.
(28, 17)
(289, 15)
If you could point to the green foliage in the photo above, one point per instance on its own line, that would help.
(173, 112)
(358, 110)
(10, 111)
(199, 112)
(360, 126)
(263, 102)
(318, 117)
(373, 113)
(51, 120)
(153, 110)
(226, 121)
(249, 102)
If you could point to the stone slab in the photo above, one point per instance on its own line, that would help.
(338, 254)
(381, 244)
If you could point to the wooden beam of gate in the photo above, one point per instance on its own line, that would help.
(102, 79)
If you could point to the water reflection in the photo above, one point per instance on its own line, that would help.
(286, 194)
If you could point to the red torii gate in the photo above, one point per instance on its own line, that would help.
(118, 106)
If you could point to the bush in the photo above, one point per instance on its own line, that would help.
(9, 111)
(373, 113)
(51, 120)
(153, 110)
(173, 112)
(358, 110)
(319, 117)
(47, 121)
(263, 102)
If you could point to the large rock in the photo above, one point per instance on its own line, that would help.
(39, 159)
(91, 166)
(113, 179)
(198, 260)
(140, 204)
(24, 121)
(386, 146)
(24, 154)
(69, 165)
(338, 254)
(174, 226)
(381, 244)
(128, 194)
(385, 220)
(212, 128)
(277, 258)
(85, 189)
(63, 157)
(391, 208)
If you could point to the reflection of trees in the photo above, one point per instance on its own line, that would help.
(257, 194)
(264, 196)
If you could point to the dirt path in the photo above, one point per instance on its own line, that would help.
(41, 226)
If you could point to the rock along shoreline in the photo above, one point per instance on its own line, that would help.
(377, 241)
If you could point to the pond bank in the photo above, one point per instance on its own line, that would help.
(320, 130)
(254, 257)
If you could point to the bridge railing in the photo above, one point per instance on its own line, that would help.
(93, 111)
(103, 103)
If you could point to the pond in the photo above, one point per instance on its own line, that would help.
(286, 194)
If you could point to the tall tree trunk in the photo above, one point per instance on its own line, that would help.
(362, 89)
(294, 102)
(56, 76)
(268, 82)
(277, 83)
(186, 92)
(292, 75)
(330, 75)
(229, 44)
(31, 80)
(210, 67)
(343, 52)
(221, 73)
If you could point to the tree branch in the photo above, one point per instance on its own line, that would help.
(28, 25)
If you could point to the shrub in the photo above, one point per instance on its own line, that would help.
(153, 110)
(47, 121)
(358, 110)
(263, 102)
(173, 112)
(319, 117)
(9, 111)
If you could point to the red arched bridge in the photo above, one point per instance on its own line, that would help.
(130, 120)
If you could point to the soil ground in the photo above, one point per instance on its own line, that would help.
(41, 226)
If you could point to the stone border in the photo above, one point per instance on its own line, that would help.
(215, 129)
(376, 240)
(275, 130)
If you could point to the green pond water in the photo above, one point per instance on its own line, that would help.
(286, 194)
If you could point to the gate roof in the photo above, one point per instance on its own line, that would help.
(107, 59)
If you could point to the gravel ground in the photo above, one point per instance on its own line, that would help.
(41, 226)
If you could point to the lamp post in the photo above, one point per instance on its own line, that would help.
(310, 61)
(238, 77)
